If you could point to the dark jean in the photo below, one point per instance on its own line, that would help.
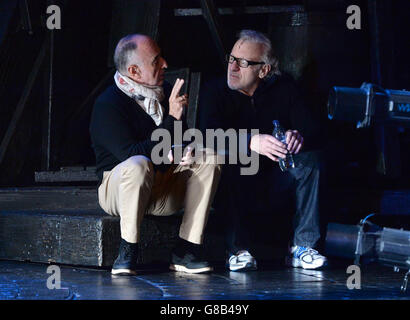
(240, 196)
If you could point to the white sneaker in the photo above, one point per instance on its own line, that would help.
(241, 261)
(307, 258)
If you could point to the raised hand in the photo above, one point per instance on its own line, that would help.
(177, 102)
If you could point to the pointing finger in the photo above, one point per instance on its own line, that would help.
(177, 87)
(172, 95)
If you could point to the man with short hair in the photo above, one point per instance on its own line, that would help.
(131, 185)
(251, 97)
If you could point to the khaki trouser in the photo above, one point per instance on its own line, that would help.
(132, 189)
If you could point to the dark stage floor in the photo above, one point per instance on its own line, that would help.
(28, 281)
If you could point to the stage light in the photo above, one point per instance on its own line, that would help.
(367, 242)
(369, 104)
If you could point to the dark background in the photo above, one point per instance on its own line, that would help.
(315, 47)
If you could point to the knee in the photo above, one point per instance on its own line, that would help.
(210, 157)
(137, 166)
(210, 162)
(311, 159)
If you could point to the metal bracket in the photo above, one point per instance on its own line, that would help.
(403, 287)
(358, 250)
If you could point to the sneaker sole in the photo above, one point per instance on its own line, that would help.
(248, 267)
(176, 267)
(123, 272)
(295, 263)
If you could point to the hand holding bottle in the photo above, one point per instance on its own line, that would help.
(294, 140)
(268, 146)
(286, 137)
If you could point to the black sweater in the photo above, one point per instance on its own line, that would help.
(274, 99)
(120, 128)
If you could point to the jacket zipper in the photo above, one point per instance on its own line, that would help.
(253, 104)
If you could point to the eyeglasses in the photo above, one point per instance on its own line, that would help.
(243, 63)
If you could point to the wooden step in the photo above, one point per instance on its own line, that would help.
(66, 225)
(67, 174)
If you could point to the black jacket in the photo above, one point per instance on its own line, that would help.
(274, 99)
(120, 128)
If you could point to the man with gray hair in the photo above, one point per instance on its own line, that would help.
(253, 95)
(131, 184)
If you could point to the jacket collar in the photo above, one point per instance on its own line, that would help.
(263, 86)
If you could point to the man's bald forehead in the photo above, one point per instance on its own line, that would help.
(137, 39)
(136, 49)
(124, 51)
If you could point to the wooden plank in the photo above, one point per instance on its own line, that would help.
(66, 225)
(66, 176)
(48, 115)
(48, 237)
(241, 10)
(25, 16)
(194, 87)
(90, 237)
(48, 198)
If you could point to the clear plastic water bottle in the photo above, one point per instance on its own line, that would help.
(280, 134)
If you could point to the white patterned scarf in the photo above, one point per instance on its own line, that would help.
(148, 97)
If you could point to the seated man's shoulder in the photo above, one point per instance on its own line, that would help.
(108, 96)
(112, 101)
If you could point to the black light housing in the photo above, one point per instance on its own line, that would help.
(369, 104)
(367, 242)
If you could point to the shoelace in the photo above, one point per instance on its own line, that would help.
(127, 252)
(303, 250)
(235, 257)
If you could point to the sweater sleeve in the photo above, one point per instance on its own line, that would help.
(111, 130)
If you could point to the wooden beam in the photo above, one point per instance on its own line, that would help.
(48, 111)
(242, 10)
(194, 88)
(212, 18)
(93, 94)
(68, 174)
